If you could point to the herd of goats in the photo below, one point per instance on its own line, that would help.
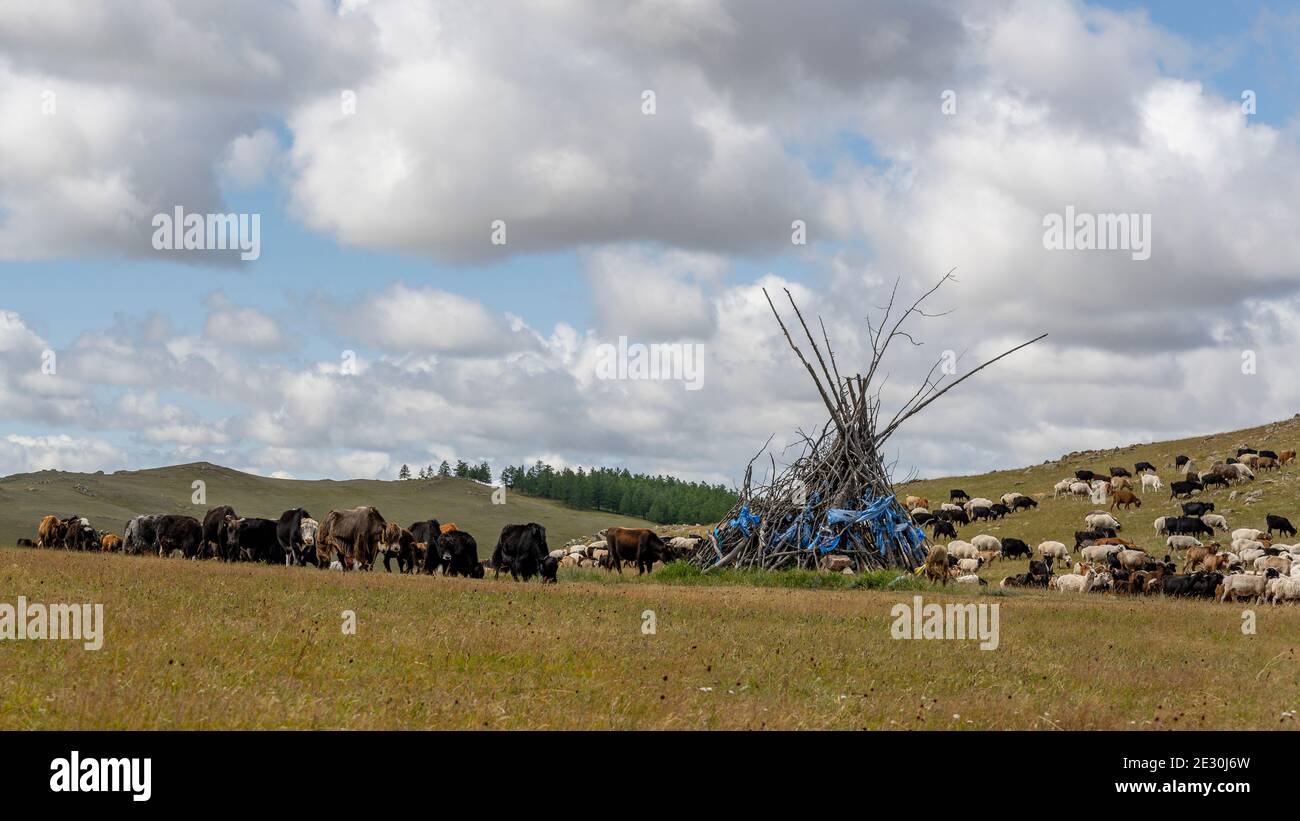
(1251, 568)
(355, 539)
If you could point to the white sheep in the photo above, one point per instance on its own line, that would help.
(1182, 542)
(970, 565)
(1062, 488)
(1282, 590)
(1243, 585)
(969, 578)
(963, 550)
(1080, 489)
(1246, 533)
(1215, 520)
(1096, 521)
(1054, 550)
(986, 542)
(978, 501)
(1097, 553)
(1161, 528)
(1073, 582)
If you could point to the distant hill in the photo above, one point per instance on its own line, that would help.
(110, 500)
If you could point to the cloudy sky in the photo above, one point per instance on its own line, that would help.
(380, 142)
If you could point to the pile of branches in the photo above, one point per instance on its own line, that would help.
(836, 497)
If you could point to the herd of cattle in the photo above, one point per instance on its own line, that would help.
(1252, 567)
(354, 539)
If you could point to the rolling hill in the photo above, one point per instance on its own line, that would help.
(1059, 518)
(110, 500)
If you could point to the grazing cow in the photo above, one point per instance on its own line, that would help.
(521, 549)
(549, 569)
(1013, 547)
(957, 495)
(288, 532)
(111, 543)
(638, 545)
(936, 565)
(252, 540)
(214, 531)
(183, 533)
(398, 543)
(1125, 499)
(458, 553)
(1184, 488)
(141, 535)
(942, 528)
(1279, 523)
(1142, 467)
(1197, 508)
(1119, 472)
(48, 532)
(351, 537)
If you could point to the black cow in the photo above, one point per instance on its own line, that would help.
(958, 495)
(1141, 466)
(942, 528)
(183, 533)
(288, 533)
(1197, 508)
(141, 535)
(253, 540)
(1184, 489)
(1279, 523)
(1013, 547)
(214, 531)
(1023, 502)
(1187, 526)
(79, 535)
(427, 533)
(520, 549)
(1120, 472)
(458, 552)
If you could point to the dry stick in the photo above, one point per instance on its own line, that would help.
(826, 399)
(811, 341)
(892, 425)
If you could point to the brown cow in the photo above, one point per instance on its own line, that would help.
(352, 537)
(111, 543)
(635, 544)
(49, 532)
(1125, 499)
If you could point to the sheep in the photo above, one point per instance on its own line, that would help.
(970, 565)
(1161, 529)
(1246, 533)
(1242, 586)
(1182, 542)
(949, 507)
(986, 542)
(1132, 559)
(1008, 498)
(1054, 550)
(962, 550)
(1244, 473)
(1072, 582)
(1215, 520)
(1095, 521)
(1080, 489)
(970, 578)
(1282, 564)
(1098, 552)
(1150, 481)
(1282, 590)
(1061, 488)
(979, 501)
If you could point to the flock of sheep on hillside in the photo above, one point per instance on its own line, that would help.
(1252, 567)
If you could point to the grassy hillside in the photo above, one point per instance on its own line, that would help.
(110, 500)
(1059, 518)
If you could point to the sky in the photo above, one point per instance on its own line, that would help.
(379, 143)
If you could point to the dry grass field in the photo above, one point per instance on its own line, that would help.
(207, 645)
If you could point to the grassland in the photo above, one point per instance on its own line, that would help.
(208, 645)
(110, 500)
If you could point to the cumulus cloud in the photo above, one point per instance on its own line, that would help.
(240, 326)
